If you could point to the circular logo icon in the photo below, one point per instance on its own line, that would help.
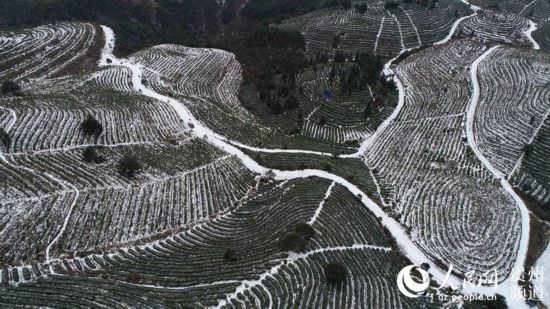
(408, 286)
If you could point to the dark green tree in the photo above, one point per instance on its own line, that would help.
(10, 87)
(5, 138)
(90, 155)
(293, 242)
(305, 230)
(335, 272)
(91, 127)
(230, 255)
(129, 166)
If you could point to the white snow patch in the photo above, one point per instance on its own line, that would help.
(529, 34)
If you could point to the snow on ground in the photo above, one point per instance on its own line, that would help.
(404, 240)
(408, 247)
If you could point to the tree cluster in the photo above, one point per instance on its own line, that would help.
(364, 71)
(271, 60)
(137, 23)
(279, 97)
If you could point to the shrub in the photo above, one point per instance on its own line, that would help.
(322, 120)
(335, 272)
(305, 230)
(230, 255)
(5, 138)
(91, 127)
(129, 166)
(133, 277)
(294, 242)
(90, 155)
(10, 87)
(378, 101)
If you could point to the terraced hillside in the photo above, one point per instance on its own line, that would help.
(532, 171)
(54, 202)
(438, 189)
(49, 50)
(496, 27)
(350, 116)
(514, 106)
(385, 32)
(68, 223)
(189, 269)
(340, 118)
(144, 181)
(538, 11)
(208, 81)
